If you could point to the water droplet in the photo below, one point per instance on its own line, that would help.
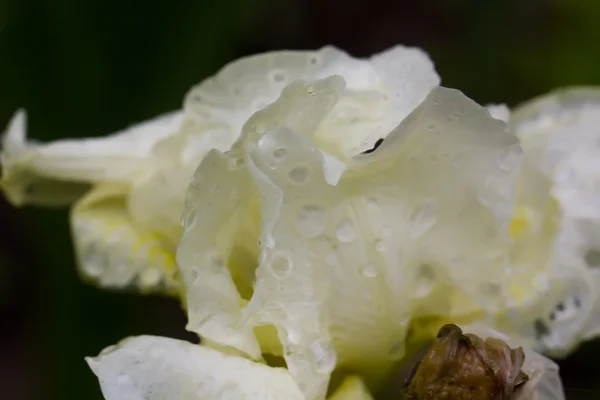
(311, 221)
(194, 275)
(592, 258)
(293, 336)
(150, 277)
(369, 271)
(380, 245)
(280, 266)
(324, 356)
(372, 202)
(94, 262)
(541, 282)
(386, 230)
(280, 153)
(424, 218)
(425, 280)
(189, 219)
(508, 161)
(299, 174)
(157, 352)
(215, 263)
(278, 76)
(345, 231)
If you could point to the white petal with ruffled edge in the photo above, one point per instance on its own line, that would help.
(155, 368)
(341, 267)
(30, 168)
(113, 250)
(560, 135)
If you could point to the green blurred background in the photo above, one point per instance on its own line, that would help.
(90, 67)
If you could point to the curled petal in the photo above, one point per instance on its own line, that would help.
(345, 264)
(113, 251)
(155, 368)
(29, 167)
(560, 138)
(216, 205)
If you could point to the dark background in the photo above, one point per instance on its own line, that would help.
(90, 67)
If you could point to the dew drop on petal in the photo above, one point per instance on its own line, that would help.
(299, 174)
(123, 380)
(150, 277)
(323, 357)
(311, 221)
(345, 231)
(372, 202)
(424, 218)
(189, 220)
(425, 280)
(380, 246)
(369, 270)
(280, 266)
(279, 153)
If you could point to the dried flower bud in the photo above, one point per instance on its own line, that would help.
(465, 367)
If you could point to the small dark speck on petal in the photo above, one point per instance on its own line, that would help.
(540, 328)
(375, 146)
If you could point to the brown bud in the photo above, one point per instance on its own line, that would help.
(461, 366)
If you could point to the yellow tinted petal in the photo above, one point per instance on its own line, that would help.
(353, 388)
(113, 251)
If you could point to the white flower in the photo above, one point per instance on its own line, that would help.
(557, 219)
(126, 228)
(335, 211)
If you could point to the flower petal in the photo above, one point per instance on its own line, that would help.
(560, 137)
(220, 203)
(155, 368)
(19, 184)
(113, 251)
(343, 267)
(28, 163)
(381, 91)
(352, 388)
(215, 209)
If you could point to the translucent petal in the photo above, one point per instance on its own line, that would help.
(381, 91)
(553, 126)
(155, 368)
(29, 167)
(215, 209)
(353, 388)
(560, 137)
(220, 204)
(344, 267)
(113, 251)
(22, 186)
